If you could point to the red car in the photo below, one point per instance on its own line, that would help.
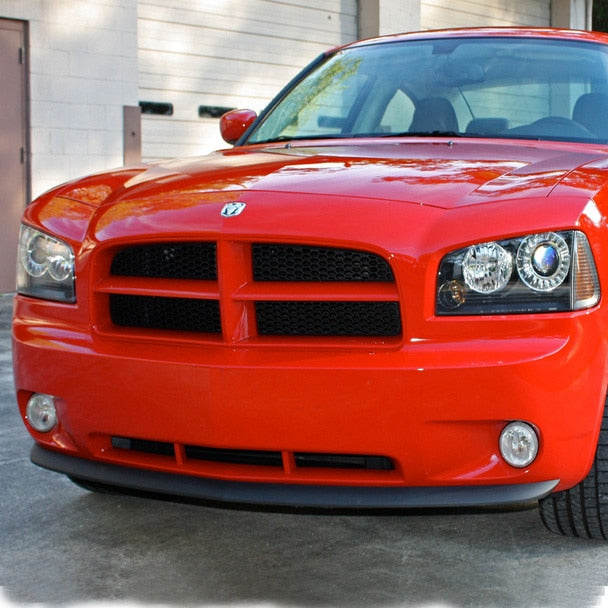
(388, 293)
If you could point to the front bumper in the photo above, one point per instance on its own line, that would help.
(288, 495)
(433, 408)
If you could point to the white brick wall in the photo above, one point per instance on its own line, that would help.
(83, 69)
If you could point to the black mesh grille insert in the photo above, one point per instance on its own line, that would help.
(178, 314)
(328, 318)
(168, 261)
(307, 263)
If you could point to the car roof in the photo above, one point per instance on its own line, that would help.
(498, 32)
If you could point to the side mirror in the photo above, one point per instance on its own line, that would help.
(233, 124)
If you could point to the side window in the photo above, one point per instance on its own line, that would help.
(398, 114)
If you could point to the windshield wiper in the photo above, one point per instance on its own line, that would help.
(425, 134)
(286, 138)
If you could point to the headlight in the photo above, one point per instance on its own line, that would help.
(487, 267)
(544, 272)
(45, 266)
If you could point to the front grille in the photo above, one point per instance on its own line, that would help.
(317, 264)
(328, 318)
(239, 290)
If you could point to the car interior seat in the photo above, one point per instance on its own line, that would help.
(487, 126)
(434, 114)
(591, 111)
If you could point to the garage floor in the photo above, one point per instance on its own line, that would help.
(62, 545)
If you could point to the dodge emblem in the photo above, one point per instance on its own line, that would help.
(232, 209)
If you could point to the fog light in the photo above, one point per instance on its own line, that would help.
(519, 444)
(41, 412)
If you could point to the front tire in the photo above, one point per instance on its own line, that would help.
(582, 510)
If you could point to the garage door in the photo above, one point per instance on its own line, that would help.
(437, 14)
(197, 59)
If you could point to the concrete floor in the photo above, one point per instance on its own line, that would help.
(64, 546)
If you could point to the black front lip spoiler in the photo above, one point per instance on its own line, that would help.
(287, 495)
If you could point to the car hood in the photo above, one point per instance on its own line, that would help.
(331, 191)
(439, 173)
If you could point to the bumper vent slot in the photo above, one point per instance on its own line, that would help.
(344, 461)
(159, 448)
(317, 264)
(246, 457)
(269, 458)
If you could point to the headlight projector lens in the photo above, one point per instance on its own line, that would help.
(543, 261)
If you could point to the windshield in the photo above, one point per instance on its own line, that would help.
(479, 87)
